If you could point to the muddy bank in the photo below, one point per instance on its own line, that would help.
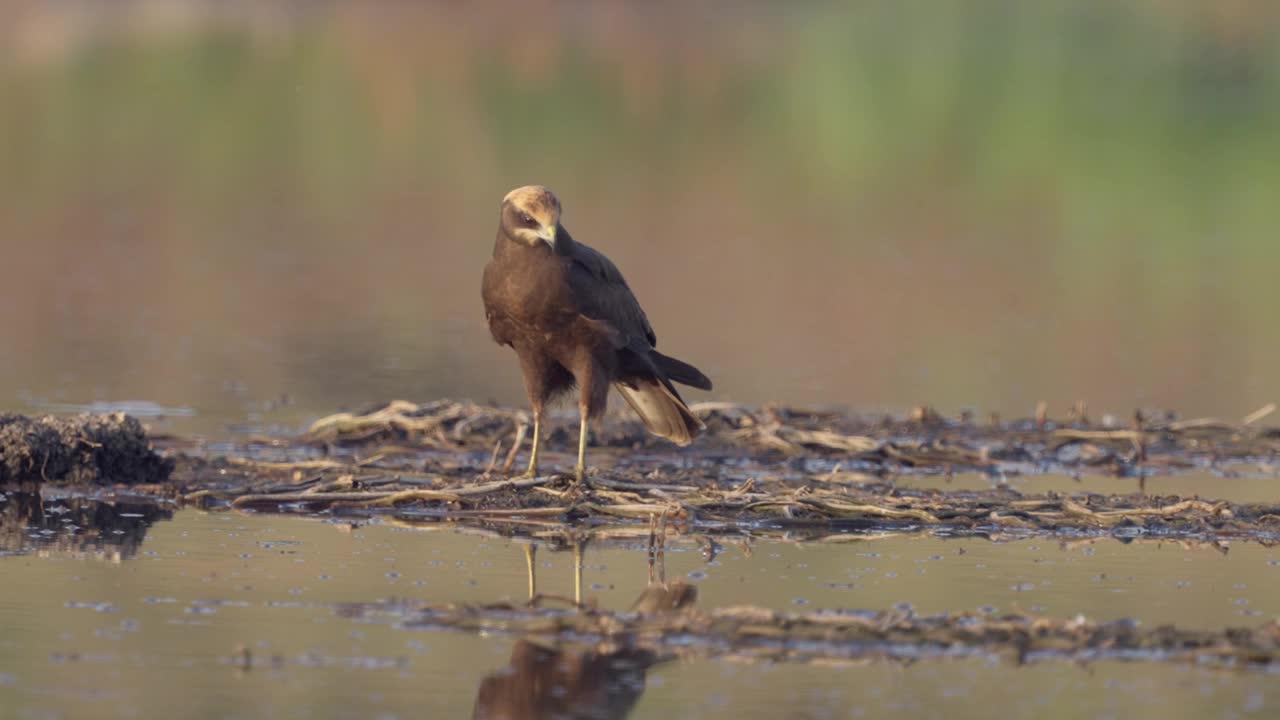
(1147, 442)
(755, 468)
(78, 450)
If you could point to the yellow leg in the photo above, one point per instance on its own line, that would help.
(581, 471)
(532, 472)
(577, 573)
(530, 551)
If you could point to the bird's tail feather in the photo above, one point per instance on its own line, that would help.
(680, 371)
(661, 409)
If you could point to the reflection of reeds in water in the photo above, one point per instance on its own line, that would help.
(75, 525)
(569, 683)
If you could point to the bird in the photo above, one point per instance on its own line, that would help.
(572, 320)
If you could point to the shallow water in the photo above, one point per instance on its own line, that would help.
(91, 630)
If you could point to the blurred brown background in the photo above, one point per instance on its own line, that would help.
(982, 204)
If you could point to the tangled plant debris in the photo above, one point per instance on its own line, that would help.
(443, 460)
(924, 440)
(706, 505)
(755, 468)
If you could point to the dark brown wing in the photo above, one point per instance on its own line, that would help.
(601, 293)
(645, 375)
(494, 303)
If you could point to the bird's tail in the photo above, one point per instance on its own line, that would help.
(680, 371)
(661, 409)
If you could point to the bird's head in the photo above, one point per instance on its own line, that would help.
(531, 215)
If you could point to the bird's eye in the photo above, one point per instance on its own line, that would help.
(526, 218)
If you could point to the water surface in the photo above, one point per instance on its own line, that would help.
(240, 615)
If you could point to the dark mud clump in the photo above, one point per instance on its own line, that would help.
(79, 450)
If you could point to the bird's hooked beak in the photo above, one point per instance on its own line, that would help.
(548, 234)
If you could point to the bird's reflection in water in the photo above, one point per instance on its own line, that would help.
(601, 682)
(112, 530)
(660, 596)
(543, 683)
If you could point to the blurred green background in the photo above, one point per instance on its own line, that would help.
(231, 207)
